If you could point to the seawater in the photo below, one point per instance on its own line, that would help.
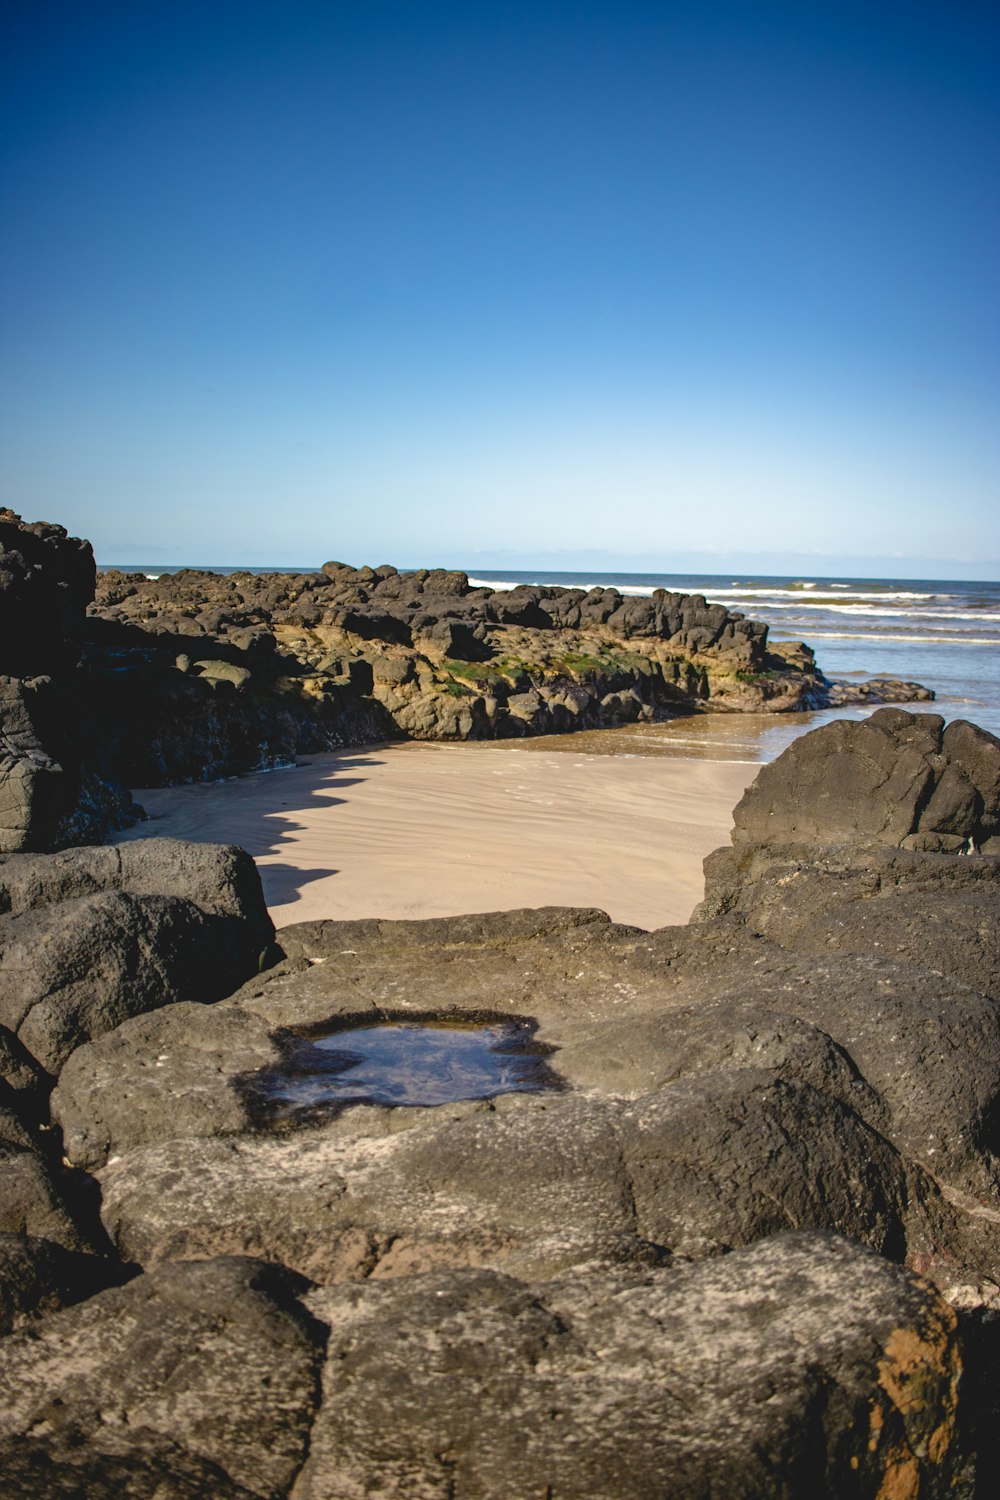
(943, 633)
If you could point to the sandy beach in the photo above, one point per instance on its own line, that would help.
(420, 830)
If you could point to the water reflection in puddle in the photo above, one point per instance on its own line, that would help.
(400, 1063)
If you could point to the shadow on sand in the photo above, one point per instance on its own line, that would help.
(260, 811)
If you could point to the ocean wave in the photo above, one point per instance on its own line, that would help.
(500, 585)
(902, 638)
(981, 616)
(759, 591)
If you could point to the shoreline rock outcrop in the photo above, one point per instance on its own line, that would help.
(118, 680)
(435, 657)
(773, 1166)
(750, 1246)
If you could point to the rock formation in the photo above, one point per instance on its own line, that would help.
(50, 793)
(119, 680)
(752, 1246)
(435, 658)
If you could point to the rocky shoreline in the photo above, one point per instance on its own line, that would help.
(118, 680)
(752, 1246)
(749, 1246)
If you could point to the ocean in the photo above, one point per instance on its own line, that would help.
(942, 633)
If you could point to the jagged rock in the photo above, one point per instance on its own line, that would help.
(195, 1380)
(801, 1366)
(895, 779)
(32, 783)
(90, 937)
(876, 690)
(550, 659)
(47, 579)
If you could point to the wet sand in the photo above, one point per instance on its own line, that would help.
(421, 830)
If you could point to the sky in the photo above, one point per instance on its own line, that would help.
(678, 286)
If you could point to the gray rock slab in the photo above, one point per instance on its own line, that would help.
(802, 1366)
(169, 1073)
(197, 1380)
(932, 909)
(917, 1054)
(694, 1169)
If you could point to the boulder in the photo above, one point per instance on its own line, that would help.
(896, 779)
(91, 937)
(804, 1365)
(39, 1276)
(198, 1380)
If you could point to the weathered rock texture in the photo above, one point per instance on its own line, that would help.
(689, 1271)
(820, 1369)
(897, 779)
(38, 1276)
(349, 653)
(199, 1380)
(50, 791)
(89, 937)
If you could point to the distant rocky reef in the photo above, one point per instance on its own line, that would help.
(115, 680)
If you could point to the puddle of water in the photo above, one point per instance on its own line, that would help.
(414, 1063)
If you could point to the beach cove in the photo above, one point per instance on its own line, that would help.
(426, 830)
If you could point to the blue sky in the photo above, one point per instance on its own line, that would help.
(681, 286)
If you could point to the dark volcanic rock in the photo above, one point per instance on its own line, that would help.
(930, 909)
(47, 579)
(32, 783)
(801, 1366)
(91, 937)
(473, 660)
(895, 779)
(876, 690)
(917, 1055)
(195, 1381)
(702, 1166)
(33, 1196)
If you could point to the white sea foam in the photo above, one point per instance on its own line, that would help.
(759, 591)
(501, 585)
(981, 616)
(903, 637)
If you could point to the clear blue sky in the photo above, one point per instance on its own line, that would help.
(687, 285)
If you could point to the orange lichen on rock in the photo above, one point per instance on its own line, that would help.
(919, 1374)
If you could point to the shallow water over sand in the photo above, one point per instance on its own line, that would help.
(746, 739)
